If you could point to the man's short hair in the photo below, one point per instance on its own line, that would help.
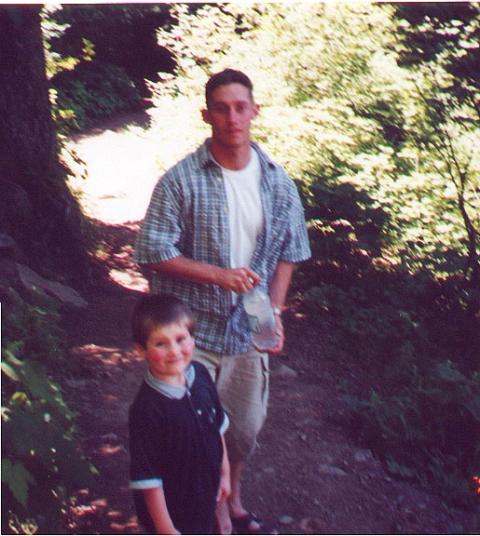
(157, 310)
(227, 76)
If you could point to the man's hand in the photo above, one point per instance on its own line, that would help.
(239, 280)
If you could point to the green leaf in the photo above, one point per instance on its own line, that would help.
(76, 471)
(17, 478)
(41, 387)
(6, 469)
(9, 371)
(19, 398)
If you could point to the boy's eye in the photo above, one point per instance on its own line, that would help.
(181, 339)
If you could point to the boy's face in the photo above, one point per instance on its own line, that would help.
(230, 112)
(168, 351)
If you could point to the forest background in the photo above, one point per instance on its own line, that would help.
(374, 111)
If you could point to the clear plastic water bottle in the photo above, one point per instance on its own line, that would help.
(261, 319)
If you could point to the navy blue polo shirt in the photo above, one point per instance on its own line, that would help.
(175, 443)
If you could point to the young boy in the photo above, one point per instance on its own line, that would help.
(178, 463)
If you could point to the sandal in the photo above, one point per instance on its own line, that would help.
(242, 525)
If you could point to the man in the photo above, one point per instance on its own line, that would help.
(220, 222)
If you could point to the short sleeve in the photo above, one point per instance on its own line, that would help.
(160, 233)
(296, 245)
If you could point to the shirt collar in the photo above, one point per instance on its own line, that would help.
(171, 391)
(205, 158)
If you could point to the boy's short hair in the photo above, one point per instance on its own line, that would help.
(227, 76)
(157, 310)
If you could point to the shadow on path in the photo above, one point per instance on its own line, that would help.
(138, 118)
(108, 376)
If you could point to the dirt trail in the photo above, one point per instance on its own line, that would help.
(308, 475)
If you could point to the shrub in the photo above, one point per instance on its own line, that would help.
(92, 92)
(429, 429)
(41, 464)
(419, 348)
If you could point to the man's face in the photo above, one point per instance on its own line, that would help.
(230, 112)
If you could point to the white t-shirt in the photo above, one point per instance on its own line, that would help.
(244, 209)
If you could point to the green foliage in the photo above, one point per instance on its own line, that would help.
(428, 429)
(435, 28)
(92, 92)
(52, 29)
(88, 81)
(441, 46)
(33, 326)
(41, 464)
(421, 348)
(119, 35)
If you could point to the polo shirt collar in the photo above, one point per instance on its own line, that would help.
(171, 391)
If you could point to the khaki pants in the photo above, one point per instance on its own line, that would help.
(242, 385)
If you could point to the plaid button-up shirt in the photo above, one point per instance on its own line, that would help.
(188, 215)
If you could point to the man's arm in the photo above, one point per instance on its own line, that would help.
(278, 294)
(238, 280)
(280, 284)
(157, 508)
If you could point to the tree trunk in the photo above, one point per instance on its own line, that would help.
(28, 149)
(50, 237)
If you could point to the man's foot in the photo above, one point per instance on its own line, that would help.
(247, 524)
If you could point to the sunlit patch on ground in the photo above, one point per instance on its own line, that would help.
(476, 482)
(94, 350)
(121, 172)
(129, 279)
(103, 393)
(108, 356)
(108, 449)
(117, 257)
(83, 516)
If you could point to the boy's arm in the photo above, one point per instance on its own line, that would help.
(157, 508)
(224, 488)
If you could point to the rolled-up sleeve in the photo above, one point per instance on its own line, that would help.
(296, 246)
(161, 231)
